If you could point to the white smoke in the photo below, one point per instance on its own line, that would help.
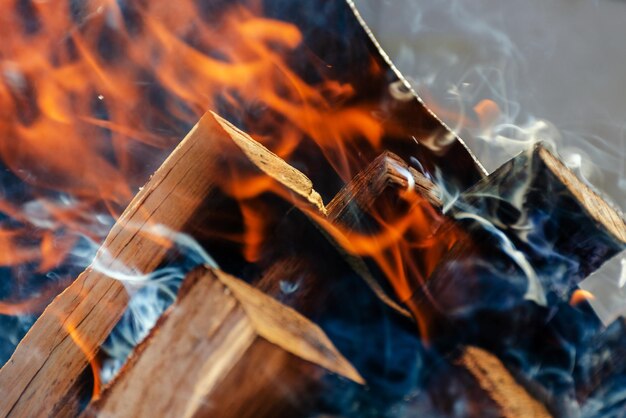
(150, 293)
(505, 74)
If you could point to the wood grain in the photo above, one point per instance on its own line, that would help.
(224, 349)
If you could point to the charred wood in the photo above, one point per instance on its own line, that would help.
(50, 359)
(534, 231)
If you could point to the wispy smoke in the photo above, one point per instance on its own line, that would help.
(506, 74)
(150, 293)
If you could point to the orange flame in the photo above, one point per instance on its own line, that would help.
(579, 296)
(87, 349)
(85, 98)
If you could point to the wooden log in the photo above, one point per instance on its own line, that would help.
(224, 349)
(356, 210)
(387, 171)
(390, 215)
(365, 198)
(41, 374)
(491, 375)
(534, 231)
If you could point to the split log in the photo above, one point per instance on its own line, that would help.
(387, 171)
(357, 209)
(563, 226)
(41, 375)
(224, 349)
(396, 210)
(371, 195)
(534, 231)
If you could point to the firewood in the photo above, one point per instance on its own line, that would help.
(386, 171)
(364, 196)
(372, 196)
(224, 349)
(553, 231)
(392, 199)
(353, 209)
(550, 214)
(508, 288)
(491, 375)
(360, 206)
(49, 360)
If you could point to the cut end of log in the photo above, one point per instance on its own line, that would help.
(287, 328)
(230, 351)
(271, 164)
(386, 170)
(598, 208)
(493, 377)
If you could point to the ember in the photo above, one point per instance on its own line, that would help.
(318, 243)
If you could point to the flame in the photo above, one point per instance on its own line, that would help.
(87, 349)
(93, 97)
(579, 296)
(413, 236)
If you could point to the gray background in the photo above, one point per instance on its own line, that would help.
(556, 69)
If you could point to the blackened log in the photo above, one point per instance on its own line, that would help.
(534, 232)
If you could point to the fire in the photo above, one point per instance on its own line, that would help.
(412, 238)
(579, 296)
(91, 357)
(94, 97)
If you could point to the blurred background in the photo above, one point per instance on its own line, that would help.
(503, 73)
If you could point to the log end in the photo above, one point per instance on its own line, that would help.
(287, 328)
(495, 379)
(601, 211)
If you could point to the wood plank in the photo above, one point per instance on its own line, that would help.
(226, 350)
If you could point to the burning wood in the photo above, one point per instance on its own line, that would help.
(493, 267)
(67, 335)
(554, 232)
(224, 349)
(349, 211)
(534, 231)
(173, 196)
(362, 202)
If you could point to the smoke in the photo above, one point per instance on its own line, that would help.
(608, 287)
(150, 293)
(504, 75)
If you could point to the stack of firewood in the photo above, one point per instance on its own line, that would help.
(256, 336)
